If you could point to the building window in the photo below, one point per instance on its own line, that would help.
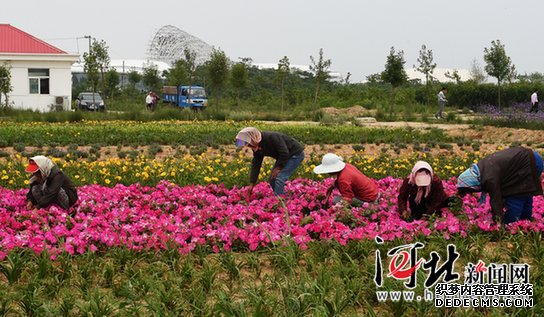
(38, 79)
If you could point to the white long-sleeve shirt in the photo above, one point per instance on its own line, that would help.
(148, 99)
(534, 98)
(441, 97)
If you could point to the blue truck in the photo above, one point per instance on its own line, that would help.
(193, 97)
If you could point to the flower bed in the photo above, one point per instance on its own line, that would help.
(169, 216)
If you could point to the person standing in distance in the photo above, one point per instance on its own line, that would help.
(441, 102)
(534, 101)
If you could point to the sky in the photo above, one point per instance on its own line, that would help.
(355, 35)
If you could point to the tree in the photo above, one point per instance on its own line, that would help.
(531, 78)
(281, 73)
(133, 79)
(151, 77)
(453, 75)
(477, 73)
(320, 69)
(426, 65)
(217, 71)
(177, 75)
(5, 84)
(111, 82)
(238, 79)
(190, 66)
(498, 65)
(92, 69)
(374, 78)
(97, 62)
(394, 74)
(348, 77)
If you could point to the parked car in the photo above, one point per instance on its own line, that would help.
(90, 102)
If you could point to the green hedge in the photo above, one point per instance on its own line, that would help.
(209, 133)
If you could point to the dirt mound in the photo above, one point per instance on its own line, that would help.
(354, 111)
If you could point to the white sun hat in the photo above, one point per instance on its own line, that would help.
(331, 163)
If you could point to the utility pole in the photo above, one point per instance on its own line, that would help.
(88, 37)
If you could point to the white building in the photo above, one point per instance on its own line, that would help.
(439, 74)
(40, 73)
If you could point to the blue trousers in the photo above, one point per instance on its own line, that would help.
(278, 183)
(521, 208)
(518, 208)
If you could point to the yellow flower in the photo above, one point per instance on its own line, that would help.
(107, 181)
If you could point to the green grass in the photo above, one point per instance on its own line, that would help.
(327, 279)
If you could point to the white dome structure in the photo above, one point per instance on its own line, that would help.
(169, 43)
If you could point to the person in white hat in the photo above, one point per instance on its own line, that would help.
(354, 186)
(423, 191)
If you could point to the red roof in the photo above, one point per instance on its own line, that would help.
(13, 40)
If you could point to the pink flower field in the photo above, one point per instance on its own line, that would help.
(169, 216)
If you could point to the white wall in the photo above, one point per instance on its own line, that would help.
(60, 84)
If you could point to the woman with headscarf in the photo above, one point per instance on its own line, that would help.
(511, 177)
(49, 185)
(287, 151)
(423, 191)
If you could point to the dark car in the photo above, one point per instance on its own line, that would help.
(91, 102)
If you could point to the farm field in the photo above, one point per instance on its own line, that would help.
(164, 225)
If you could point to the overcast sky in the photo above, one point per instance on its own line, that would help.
(355, 34)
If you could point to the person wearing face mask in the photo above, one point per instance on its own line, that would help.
(423, 192)
(287, 151)
(49, 185)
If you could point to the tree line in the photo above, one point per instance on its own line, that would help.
(239, 82)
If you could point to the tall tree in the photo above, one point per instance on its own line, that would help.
(281, 73)
(133, 79)
(477, 73)
(111, 82)
(426, 65)
(394, 74)
(217, 71)
(92, 69)
(190, 67)
(498, 65)
(177, 75)
(151, 77)
(320, 68)
(5, 84)
(238, 79)
(98, 60)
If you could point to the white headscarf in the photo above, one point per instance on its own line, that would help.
(250, 135)
(45, 164)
